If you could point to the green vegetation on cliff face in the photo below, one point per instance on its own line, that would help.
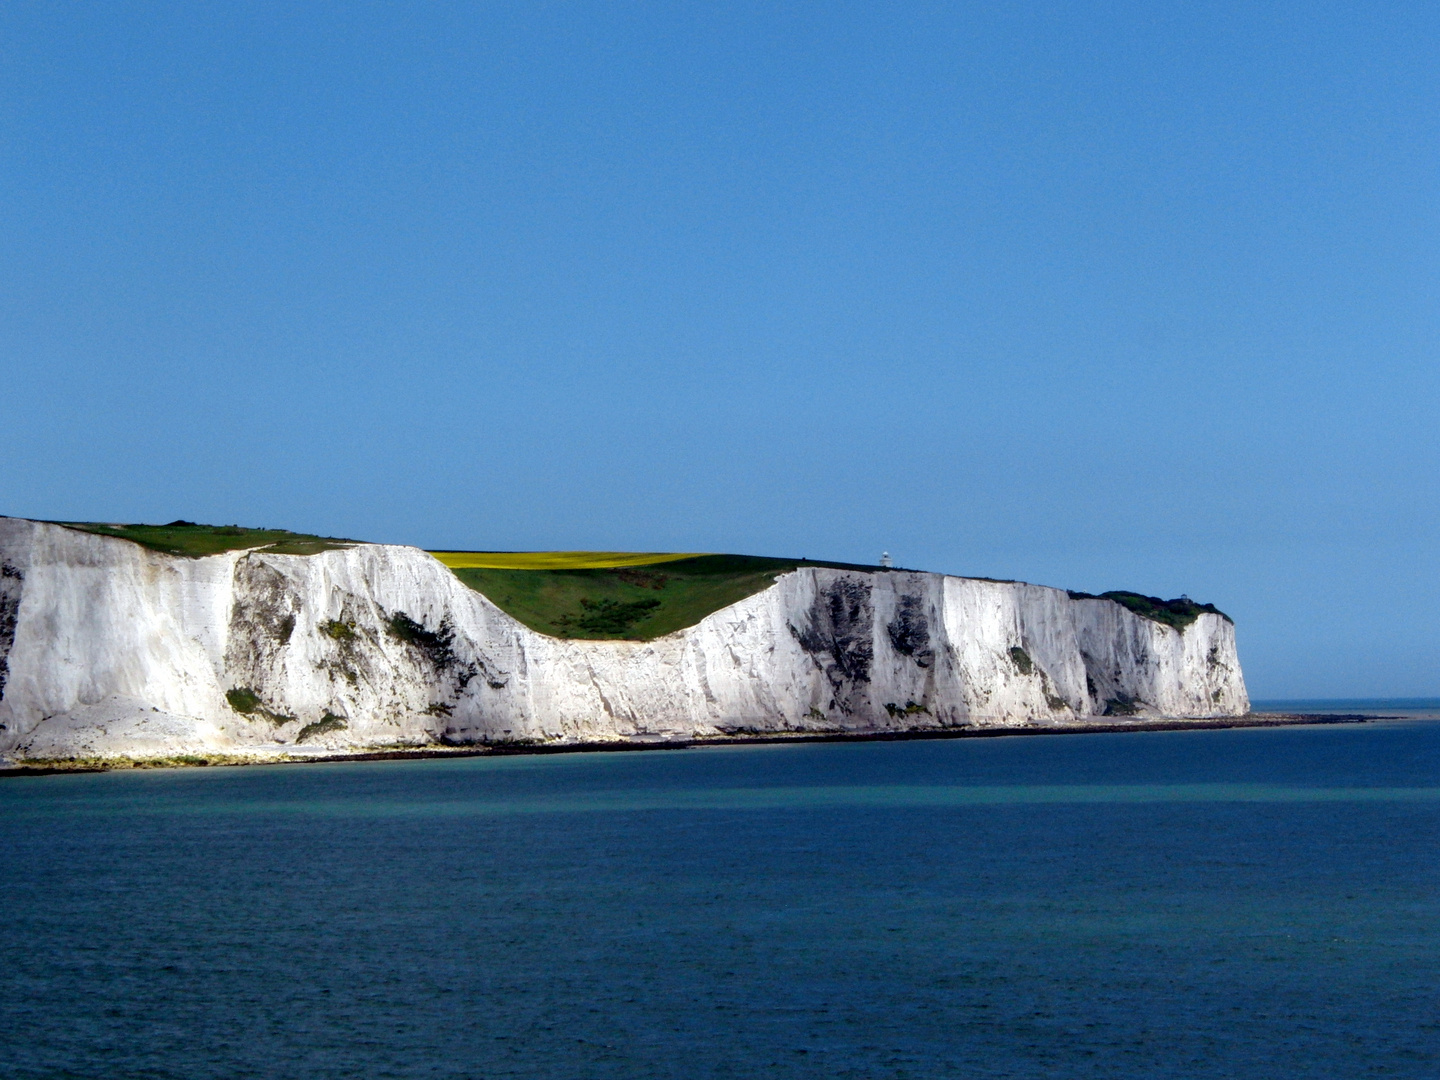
(190, 540)
(244, 700)
(637, 603)
(1177, 614)
(327, 723)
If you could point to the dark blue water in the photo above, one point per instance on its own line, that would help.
(1428, 708)
(1245, 903)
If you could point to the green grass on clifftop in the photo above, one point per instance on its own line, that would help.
(577, 594)
(1177, 614)
(642, 602)
(637, 603)
(192, 541)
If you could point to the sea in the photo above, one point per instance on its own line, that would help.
(1260, 902)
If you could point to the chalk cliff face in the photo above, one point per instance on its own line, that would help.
(109, 649)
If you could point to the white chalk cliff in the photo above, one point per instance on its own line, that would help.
(108, 649)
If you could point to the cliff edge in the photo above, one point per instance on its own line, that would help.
(109, 649)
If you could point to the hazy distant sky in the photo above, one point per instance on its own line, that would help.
(1095, 295)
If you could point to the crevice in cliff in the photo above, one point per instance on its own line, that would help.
(838, 638)
(11, 580)
(909, 631)
(262, 618)
(438, 648)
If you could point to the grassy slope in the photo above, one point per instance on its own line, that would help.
(193, 541)
(1177, 614)
(636, 603)
(646, 601)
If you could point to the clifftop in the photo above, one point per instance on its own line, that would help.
(192, 541)
(583, 595)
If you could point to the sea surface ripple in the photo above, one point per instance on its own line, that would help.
(1250, 902)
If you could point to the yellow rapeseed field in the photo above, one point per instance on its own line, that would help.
(555, 560)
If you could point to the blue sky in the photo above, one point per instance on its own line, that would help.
(1095, 295)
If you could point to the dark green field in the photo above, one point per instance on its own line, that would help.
(637, 603)
(1176, 614)
(191, 540)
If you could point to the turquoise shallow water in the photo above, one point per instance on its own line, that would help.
(1163, 904)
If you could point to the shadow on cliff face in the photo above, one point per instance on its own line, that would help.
(262, 618)
(11, 580)
(838, 639)
(437, 649)
(909, 631)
